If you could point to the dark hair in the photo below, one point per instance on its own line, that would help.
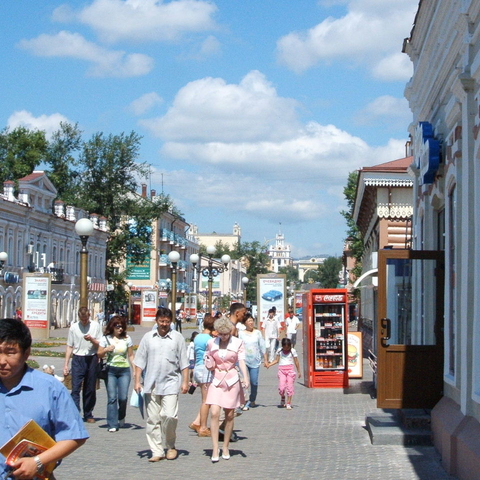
(286, 342)
(194, 334)
(236, 306)
(13, 331)
(208, 322)
(271, 311)
(115, 320)
(164, 312)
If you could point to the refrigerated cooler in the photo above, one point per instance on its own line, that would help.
(325, 330)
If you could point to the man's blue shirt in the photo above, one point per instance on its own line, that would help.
(43, 398)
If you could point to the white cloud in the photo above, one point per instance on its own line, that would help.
(386, 109)
(370, 31)
(211, 110)
(105, 63)
(297, 175)
(47, 123)
(143, 20)
(210, 46)
(393, 67)
(144, 103)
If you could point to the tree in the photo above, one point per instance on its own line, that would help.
(256, 260)
(21, 151)
(354, 236)
(328, 272)
(290, 272)
(106, 186)
(64, 143)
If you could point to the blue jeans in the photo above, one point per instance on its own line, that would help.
(253, 374)
(117, 383)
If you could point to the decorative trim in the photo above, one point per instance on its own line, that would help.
(388, 182)
(397, 210)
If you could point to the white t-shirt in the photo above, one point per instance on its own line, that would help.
(287, 359)
(292, 324)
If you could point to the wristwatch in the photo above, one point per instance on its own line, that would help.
(40, 465)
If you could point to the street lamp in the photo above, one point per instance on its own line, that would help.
(129, 285)
(84, 228)
(210, 270)
(245, 281)
(174, 257)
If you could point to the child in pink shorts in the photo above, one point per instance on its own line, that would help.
(287, 360)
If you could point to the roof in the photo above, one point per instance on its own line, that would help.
(400, 165)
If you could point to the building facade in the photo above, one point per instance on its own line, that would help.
(444, 97)
(280, 254)
(212, 239)
(38, 235)
(383, 212)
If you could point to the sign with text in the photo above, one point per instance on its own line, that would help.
(36, 303)
(149, 305)
(271, 290)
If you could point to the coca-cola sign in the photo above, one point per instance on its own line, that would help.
(328, 298)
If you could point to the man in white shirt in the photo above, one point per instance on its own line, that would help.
(271, 329)
(82, 345)
(292, 322)
(163, 356)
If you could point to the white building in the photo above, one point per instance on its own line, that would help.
(39, 236)
(280, 254)
(444, 96)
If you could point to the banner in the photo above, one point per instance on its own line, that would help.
(36, 301)
(271, 290)
(149, 305)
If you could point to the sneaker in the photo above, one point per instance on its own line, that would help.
(282, 402)
(111, 430)
(289, 407)
(252, 404)
(246, 407)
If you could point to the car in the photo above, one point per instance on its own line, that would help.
(272, 295)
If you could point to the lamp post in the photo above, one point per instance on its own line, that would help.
(3, 259)
(84, 228)
(245, 281)
(129, 285)
(174, 257)
(210, 270)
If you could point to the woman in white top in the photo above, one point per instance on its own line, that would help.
(255, 354)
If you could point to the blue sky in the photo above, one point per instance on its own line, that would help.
(250, 111)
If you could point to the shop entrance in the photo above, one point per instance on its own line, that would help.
(410, 328)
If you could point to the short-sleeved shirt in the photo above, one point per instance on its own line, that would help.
(287, 359)
(163, 359)
(292, 324)
(254, 347)
(43, 398)
(200, 345)
(119, 357)
(271, 327)
(82, 347)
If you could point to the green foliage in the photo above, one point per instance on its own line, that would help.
(291, 273)
(21, 151)
(354, 236)
(328, 272)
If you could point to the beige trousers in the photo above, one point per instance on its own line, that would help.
(162, 419)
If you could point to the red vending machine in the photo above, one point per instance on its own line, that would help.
(325, 325)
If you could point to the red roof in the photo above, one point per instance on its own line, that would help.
(399, 165)
(32, 176)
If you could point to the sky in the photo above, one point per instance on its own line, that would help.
(251, 111)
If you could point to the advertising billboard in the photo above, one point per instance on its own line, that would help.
(271, 289)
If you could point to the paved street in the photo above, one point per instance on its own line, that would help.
(323, 437)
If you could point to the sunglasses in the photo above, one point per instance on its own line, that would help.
(118, 326)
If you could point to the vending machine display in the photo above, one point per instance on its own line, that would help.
(325, 335)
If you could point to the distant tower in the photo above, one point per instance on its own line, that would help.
(279, 254)
(237, 231)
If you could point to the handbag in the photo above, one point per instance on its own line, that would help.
(102, 372)
(209, 362)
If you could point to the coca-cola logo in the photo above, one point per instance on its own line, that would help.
(329, 298)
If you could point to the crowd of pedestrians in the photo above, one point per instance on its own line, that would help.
(223, 362)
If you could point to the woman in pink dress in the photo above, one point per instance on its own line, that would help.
(225, 391)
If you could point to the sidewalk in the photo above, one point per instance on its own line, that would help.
(323, 437)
